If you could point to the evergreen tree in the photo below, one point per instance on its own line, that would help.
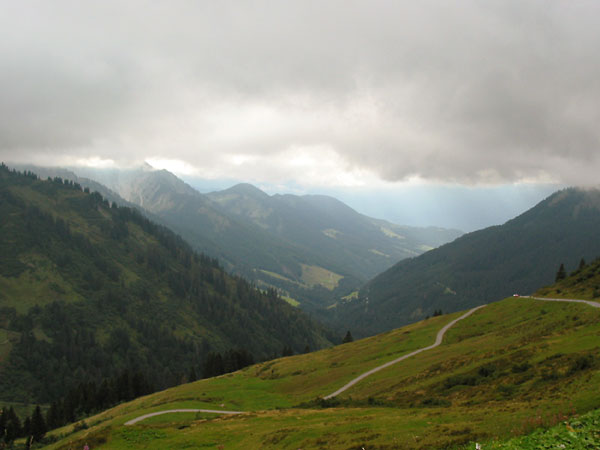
(348, 338)
(192, 377)
(287, 351)
(2, 421)
(213, 365)
(581, 264)
(562, 273)
(26, 429)
(38, 426)
(13, 426)
(53, 419)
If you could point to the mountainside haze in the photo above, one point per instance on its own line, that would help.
(312, 248)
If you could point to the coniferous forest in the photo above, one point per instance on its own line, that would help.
(99, 305)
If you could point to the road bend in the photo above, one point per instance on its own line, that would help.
(438, 341)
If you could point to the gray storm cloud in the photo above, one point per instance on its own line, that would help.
(467, 92)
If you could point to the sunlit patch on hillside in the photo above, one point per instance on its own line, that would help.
(315, 275)
(331, 233)
(378, 253)
(391, 233)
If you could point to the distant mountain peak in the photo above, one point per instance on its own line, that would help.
(147, 167)
(247, 189)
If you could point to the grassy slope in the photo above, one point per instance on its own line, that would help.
(496, 370)
(578, 433)
(583, 284)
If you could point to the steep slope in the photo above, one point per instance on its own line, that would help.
(511, 366)
(480, 267)
(89, 289)
(583, 283)
(241, 247)
(331, 230)
(66, 174)
(312, 248)
(245, 248)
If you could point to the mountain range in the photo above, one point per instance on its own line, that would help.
(96, 297)
(313, 249)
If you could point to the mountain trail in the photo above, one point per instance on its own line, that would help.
(158, 413)
(569, 300)
(438, 341)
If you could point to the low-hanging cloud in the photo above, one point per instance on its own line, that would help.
(467, 92)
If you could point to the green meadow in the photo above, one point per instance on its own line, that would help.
(511, 367)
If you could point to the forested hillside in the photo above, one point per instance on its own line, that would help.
(89, 291)
(480, 267)
(333, 232)
(313, 249)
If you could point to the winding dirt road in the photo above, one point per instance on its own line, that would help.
(569, 300)
(438, 341)
(158, 413)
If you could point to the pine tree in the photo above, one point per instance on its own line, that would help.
(13, 426)
(38, 425)
(348, 338)
(192, 377)
(2, 421)
(53, 419)
(26, 429)
(581, 264)
(562, 273)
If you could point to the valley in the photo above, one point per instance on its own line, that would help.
(299, 225)
(437, 380)
(313, 249)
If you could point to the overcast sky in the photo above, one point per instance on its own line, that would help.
(314, 93)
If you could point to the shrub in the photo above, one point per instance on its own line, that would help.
(507, 390)
(460, 380)
(434, 401)
(520, 368)
(486, 371)
(80, 426)
(581, 363)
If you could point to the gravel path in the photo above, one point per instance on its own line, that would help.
(570, 300)
(158, 413)
(438, 341)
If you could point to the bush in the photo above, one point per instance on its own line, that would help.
(461, 380)
(486, 371)
(507, 390)
(550, 374)
(520, 368)
(582, 363)
(80, 426)
(434, 401)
